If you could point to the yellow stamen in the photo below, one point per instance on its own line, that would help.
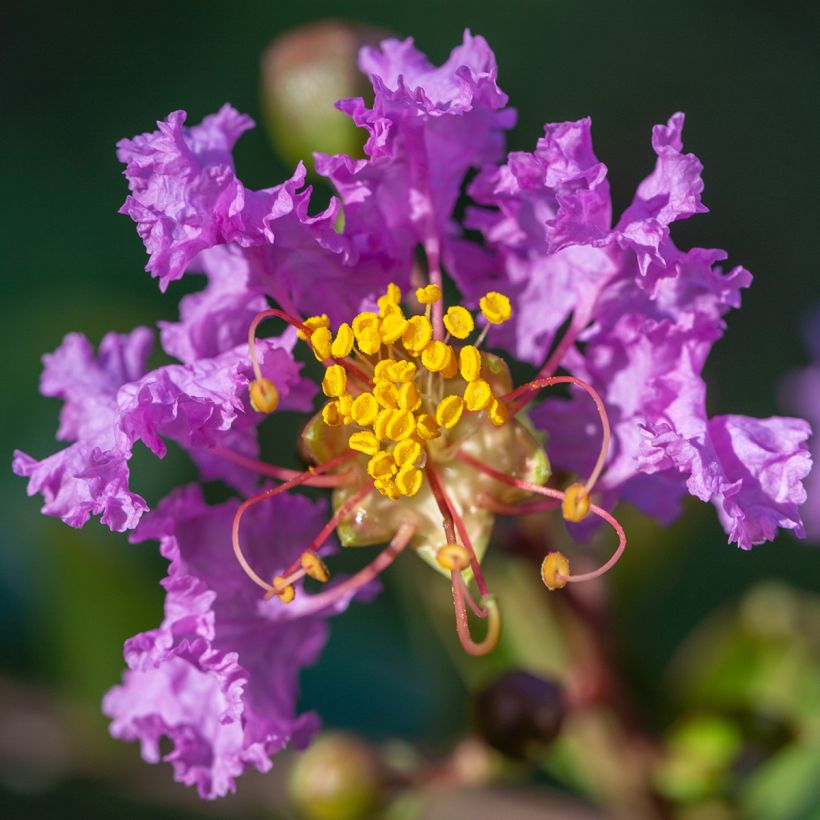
(400, 425)
(458, 322)
(264, 396)
(393, 326)
(380, 424)
(427, 427)
(402, 371)
(575, 505)
(495, 307)
(314, 566)
(469, 362)
(451, 368)
(555, 570)
(369, 340)
(287, 593)
(364, 442)
(409, 396)
(477, 395)
(449, 411)
(386, 395)
(382, 368)
(409, 480)
(428, 295)
(406, 452)
(334, 384)
(343, 343)
(435, 356)
(314, 322)
(453, 556)
(320, 341)
(497, 411)
(332, 414)
(364, 409)
(387, 487)
(381, 466)
(417, 334)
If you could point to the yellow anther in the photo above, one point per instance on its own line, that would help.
(314, 566)
(393, 326)
(386, 395)
(469, 360)
(264, 395)
(409, 479)
(345, 406)
(387, 487)
(409, 397)
(427, 427)
(417, 334)
(313, 322)
(400, 425)
(364, 442)
(451, 368)
(364, 409)
(428, 295)
(477, 395)
(458, 322)
(334, 384)
(381, 466)
(555, 570)
(369, 340)
(575, 505)
(449, 411)
(453, 556)
(435, 356)
(392, 294)
(407, 452)
(495, 307)
(321, 343)
(363, 320)
(381, 369)
(497, 411)
(332, 415)
(380, 424)
(343, 343)
(402, 371)
(284, 592)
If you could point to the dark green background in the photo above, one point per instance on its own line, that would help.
(78, 79)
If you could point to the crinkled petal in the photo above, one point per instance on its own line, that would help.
(219, 677)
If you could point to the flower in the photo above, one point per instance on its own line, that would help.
(801, 392)
(422, 437)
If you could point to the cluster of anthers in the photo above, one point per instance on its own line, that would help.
(409, 399)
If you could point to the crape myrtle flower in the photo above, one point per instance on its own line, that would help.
(422, 438)
(801, 391)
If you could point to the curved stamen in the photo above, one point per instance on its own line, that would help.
(490, 613)
(331, 525)
(315, 603)
(578, 323)
(285, 473)
(452, 521)
(499, 508)
(299, 478)
(517, 400)
(557, 494)
(351, 368)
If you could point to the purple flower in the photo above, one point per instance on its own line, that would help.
(629, 316)
(802, 394)
(219, 675)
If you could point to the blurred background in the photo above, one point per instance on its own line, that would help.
(714, 653)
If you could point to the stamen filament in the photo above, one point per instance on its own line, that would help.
(491, 614)
(578, 323)
(315, 603)
(452, 521)
(299, 478)
(499, 508)
(514, 399)
(557, 494)
(331, 525)
(431, 248)
(285, 473)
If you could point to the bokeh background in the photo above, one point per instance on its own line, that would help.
(79, 77)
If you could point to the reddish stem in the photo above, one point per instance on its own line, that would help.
(285, 473)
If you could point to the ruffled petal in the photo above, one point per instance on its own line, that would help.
(219, 677)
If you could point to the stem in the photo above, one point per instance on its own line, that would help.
(573, 331)
(316, 603)
(431, 248)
